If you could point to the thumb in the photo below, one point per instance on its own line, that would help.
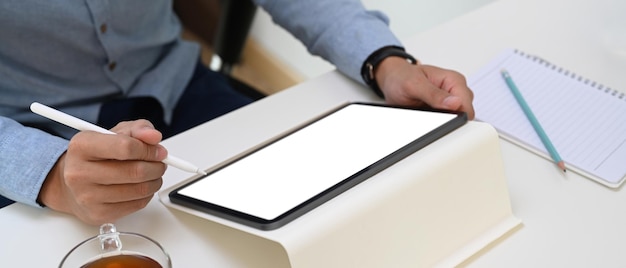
(151, 137)
(143, 131)
(451, 102)
(146, 134)
(140, 129)
(440, 99)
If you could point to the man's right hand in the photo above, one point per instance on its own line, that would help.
(103, 177)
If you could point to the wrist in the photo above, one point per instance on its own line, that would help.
(50, 194)
(370, 67)
(389, 66)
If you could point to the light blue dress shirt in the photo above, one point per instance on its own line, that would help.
(76, 54)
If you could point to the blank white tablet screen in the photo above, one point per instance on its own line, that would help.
(286, 173)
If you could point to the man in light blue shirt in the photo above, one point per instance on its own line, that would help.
(87, 58)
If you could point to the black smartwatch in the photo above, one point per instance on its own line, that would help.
(371, 64)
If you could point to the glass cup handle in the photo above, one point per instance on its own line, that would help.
(109, 238)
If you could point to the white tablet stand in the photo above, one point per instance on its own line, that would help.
(437, 207)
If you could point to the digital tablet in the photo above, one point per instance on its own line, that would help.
(289, 176)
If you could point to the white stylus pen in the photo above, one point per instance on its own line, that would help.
(82, 125)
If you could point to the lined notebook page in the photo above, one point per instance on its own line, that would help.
(585, 120)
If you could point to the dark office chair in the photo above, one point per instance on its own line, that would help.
(5, 202)
(227, 34)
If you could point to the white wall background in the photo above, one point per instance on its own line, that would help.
(407, 18)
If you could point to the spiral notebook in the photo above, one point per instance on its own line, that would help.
(585, 120)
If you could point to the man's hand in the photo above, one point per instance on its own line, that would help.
(416, 85)
(103, 177)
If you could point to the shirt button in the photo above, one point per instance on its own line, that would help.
(103, 28)
(112, 66)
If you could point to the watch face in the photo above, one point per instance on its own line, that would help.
(370, 71)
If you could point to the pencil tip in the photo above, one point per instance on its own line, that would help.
(561, 165)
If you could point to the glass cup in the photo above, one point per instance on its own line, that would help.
(117, 249)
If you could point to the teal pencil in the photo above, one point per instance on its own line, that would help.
(533, 120)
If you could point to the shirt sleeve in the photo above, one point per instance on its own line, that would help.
(27, 157)
(341, 31)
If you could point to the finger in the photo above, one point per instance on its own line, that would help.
(436, 97)
(125, 126)
(139, 129)
(97, 146)
(107, 172)
(110, 212)
(118, 193)
(468, 97)
(131, 171)
(454, 83)
(136, 191)
(468, 108)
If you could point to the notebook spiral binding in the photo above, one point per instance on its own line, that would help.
(565, 72)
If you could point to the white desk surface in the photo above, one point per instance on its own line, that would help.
(569, 221)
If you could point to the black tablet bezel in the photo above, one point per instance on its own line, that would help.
(329, 193)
